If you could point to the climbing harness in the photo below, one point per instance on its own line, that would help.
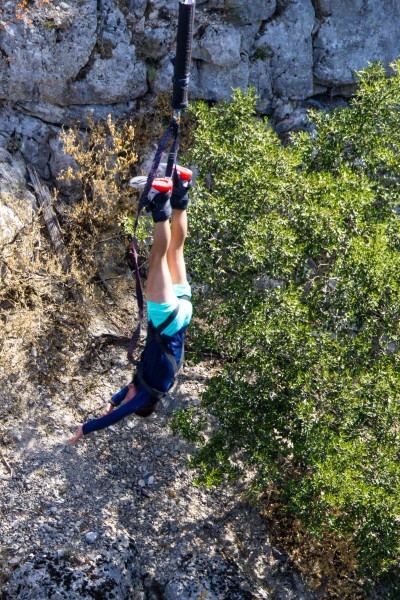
(170, 139)
(155, 335)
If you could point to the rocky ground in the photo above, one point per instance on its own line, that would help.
(117, 515)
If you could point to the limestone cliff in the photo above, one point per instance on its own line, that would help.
(72, 58)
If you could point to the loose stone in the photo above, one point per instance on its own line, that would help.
(91, 537)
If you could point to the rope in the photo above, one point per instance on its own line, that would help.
(172, 132)
(179, 102)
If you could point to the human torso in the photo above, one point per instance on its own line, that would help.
(158, 369)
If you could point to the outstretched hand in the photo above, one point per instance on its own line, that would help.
(77, 436)
(108, 409)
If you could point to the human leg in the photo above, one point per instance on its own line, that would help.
(179, 202)
(175, 256)
(159, 282)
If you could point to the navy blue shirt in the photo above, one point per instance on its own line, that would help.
(158, 373)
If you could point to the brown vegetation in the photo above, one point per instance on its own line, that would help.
(23, 12)
(39, 315)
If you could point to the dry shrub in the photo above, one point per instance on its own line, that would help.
(327, 563)
(39, 318)
(32, 287)
(105, 158)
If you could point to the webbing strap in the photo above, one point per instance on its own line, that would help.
(168, 353)
(160, 328)
(173, 153)
(172, 132)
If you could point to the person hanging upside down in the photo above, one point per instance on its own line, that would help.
(168, 306)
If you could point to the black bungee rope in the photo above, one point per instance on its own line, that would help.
(169, 139)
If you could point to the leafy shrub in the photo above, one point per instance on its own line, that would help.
(299, 248)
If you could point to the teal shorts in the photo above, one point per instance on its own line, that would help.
(157, 313)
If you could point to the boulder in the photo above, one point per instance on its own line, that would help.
(213, 82)
(219, 45)
(71, 54)
(113, 74)
(155, 41)
(47, 54)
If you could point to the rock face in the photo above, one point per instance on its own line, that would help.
(71, 54)
(17, 203)
(351, 35)
(65, 60)
(286, 47)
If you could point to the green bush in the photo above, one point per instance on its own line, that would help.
(299, 249)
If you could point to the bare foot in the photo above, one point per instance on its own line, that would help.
(77, 436)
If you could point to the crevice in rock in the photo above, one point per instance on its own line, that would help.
(95, 50)
(5, 56)
(281, 7)
(149, 8)
(263, 25)
(322, 8)
(164, 14)
(153, 588)
(24, 110)
(86, 68)
(151, 70)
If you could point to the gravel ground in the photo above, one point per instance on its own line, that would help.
(117, 515)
